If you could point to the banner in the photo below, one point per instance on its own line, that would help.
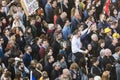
(29, 6)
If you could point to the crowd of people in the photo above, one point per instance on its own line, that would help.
(62, 40)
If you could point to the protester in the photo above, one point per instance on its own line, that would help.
(78, 37)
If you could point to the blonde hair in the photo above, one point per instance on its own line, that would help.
(74, 66)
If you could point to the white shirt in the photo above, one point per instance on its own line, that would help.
(76, 45)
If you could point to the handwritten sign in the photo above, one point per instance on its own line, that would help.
(29, 6)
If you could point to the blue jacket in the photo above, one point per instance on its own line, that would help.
(49, 13)
(65, 32)
(27, 59)
(1, 52)
(74, 23)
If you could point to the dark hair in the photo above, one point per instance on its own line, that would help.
(52, 1)
(108, 67)
(48, 57)
(101, 41)
(94, 59)
(60, 56)
(19, 63)
(26, 47)
(117, 49)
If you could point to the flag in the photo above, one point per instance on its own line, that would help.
(106, 8)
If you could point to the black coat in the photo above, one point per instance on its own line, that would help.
(35, 52)
(27, 59)
(60, 21)
(12, 70)
(95, 71)
(56, 47)
(107, 60)
(48, 67)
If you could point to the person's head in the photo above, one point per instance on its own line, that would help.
(114, 41)
(113, 12)
(102, 17)
(63, 15)
(28, 49)
(38, 18)
(32, 21)
(45, 44)
(93, 8)
(114, 24)
(39, 66)
(108, 52)
(1, 40)
(95, 61)
(33, 63)
(28, 30)
(58, 27)
(2, 9)
(61, 58)
(81, 26)
(4, 21)
(19, 8)
(77, 3)
(19, 54)
(90, 76)
(108, 67)
(56, 66)
(65, 1)
(11, 61)
(6, 32)
(38, 40)
(101, 43)
(58, 36)
(89, 47)
(102, 53)
(118, 61)
(7, 51)
(90, 12)
(45, 75)
(77, 33)
(64, 45)
(7, 75)
(97, 78)
(50, 58)
(49, 51)
(16, 17)
(94, 27)
(54, 3)
(105, 75)
(94, 37)
(74, 66)
(20, 65)
(67, 22)
(66, 73)
(4, 3)
(117, 49)
(10, 18)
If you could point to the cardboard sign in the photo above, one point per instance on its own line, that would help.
(29, 6)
